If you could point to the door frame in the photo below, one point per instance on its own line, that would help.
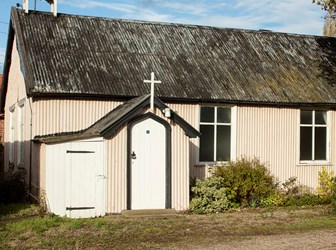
(168, 157)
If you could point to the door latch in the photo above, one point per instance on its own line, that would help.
(133, 156)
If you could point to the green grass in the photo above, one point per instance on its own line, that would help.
(18, 209)
(118, 232)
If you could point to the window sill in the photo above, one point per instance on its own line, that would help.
(212, 164)
(314, 163)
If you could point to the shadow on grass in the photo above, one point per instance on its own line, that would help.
(17, 210)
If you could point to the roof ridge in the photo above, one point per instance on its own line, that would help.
(187, 25)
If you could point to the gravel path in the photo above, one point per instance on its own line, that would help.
(318, 239)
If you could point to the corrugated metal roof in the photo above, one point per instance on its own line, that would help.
(100, 57)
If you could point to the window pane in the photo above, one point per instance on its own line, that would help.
(224, 115)
(320, 143)
(223, 143)
(320, 117)
(207, 143)
(306, 117)
(305, 143)
(207, 114)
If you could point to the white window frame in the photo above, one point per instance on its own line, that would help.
(21, 141)
(11, 136)
(233, 126)
(313, 126)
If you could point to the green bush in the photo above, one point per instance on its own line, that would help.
(13, 188)
(306, 200)
(325, 180)
(209, 196)
(247, 182)
(274, 200)
(192, 184)
(333, 196)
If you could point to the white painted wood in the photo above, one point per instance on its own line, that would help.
(149, 166)
(76, 179)
(53, 8)
(25, 6)
(55, 179)
(152, 81)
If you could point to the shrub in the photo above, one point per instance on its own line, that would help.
(192, 184)
(333, 194)
(209, 196)
(247, 182)
(325, 180)
(306, 200)
(274, 200)
(13, 188)
(292, 187)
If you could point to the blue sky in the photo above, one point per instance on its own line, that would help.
(292, 16)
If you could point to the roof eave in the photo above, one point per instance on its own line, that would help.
(94, 96)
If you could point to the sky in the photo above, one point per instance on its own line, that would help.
(290, 16)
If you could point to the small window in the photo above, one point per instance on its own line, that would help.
(313, 135)
(20, 152)
(215, 127)
(11, 138)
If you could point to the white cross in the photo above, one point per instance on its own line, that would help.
(152, 81)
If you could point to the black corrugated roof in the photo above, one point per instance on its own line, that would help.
(98, 57)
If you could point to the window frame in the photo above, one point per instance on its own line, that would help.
(313, 125)
(232, 125)
(11, 147)
(21, 134)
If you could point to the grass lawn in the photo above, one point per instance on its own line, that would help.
(180, 231)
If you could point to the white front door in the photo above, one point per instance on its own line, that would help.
(148, 165)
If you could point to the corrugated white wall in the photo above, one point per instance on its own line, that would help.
(273, 135)
(55, 116)
(117, 172)
(180, 156)
(270, 134)
(180, 169)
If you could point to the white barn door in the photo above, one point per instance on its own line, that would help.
(75, 179)
(148, 165)
(85, 180)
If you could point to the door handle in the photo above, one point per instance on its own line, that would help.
(133, 155)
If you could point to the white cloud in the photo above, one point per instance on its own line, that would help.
(125, 8)
(197, 8)
(299, 16)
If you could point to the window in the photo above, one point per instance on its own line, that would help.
(11, 138)
(20, 152)
(215, 127)
(313, 135)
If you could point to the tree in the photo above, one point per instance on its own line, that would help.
(327, 5)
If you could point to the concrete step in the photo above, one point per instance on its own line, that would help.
(150, 212)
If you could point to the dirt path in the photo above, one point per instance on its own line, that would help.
(317, 239)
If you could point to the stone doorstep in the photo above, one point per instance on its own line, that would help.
(150, 212)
